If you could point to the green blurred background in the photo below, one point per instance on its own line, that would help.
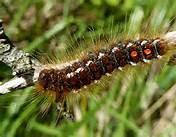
(138, 101)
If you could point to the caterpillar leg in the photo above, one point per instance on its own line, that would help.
(64, 113)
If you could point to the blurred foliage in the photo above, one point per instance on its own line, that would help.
(47, 27)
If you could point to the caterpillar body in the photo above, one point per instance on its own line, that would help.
(94, 65)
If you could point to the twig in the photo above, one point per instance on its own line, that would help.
(13, 84)
(24, 67)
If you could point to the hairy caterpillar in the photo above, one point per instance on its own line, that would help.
(117, 102)
(60, 80)
(80, 73)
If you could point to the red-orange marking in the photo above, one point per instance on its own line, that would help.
(147, 51)
(134, 54)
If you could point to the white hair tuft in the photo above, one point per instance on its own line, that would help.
(170, 37)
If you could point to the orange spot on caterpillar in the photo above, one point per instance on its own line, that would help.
(147, 51)
(134, 54)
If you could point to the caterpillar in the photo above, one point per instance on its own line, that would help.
(67, 78)
(63, 79)
(124, 76)
(94, 65)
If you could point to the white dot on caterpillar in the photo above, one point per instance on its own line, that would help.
(146, 61)
(79, 69)
(88, 63)
(100, 55)
(133, 64)
(1, 31)
(159, 57)
(108, 74)
(143, 42)
(70, 74)
(95, 81)
(114, 49)
(85, 86)
(129, 45)
(120, 68)
(2, 40)
(75, 91)
(155, 41)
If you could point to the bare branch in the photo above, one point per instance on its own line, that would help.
(24, 66)
(17, 82)
(19, 61)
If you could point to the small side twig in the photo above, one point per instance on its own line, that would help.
(17, 82)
